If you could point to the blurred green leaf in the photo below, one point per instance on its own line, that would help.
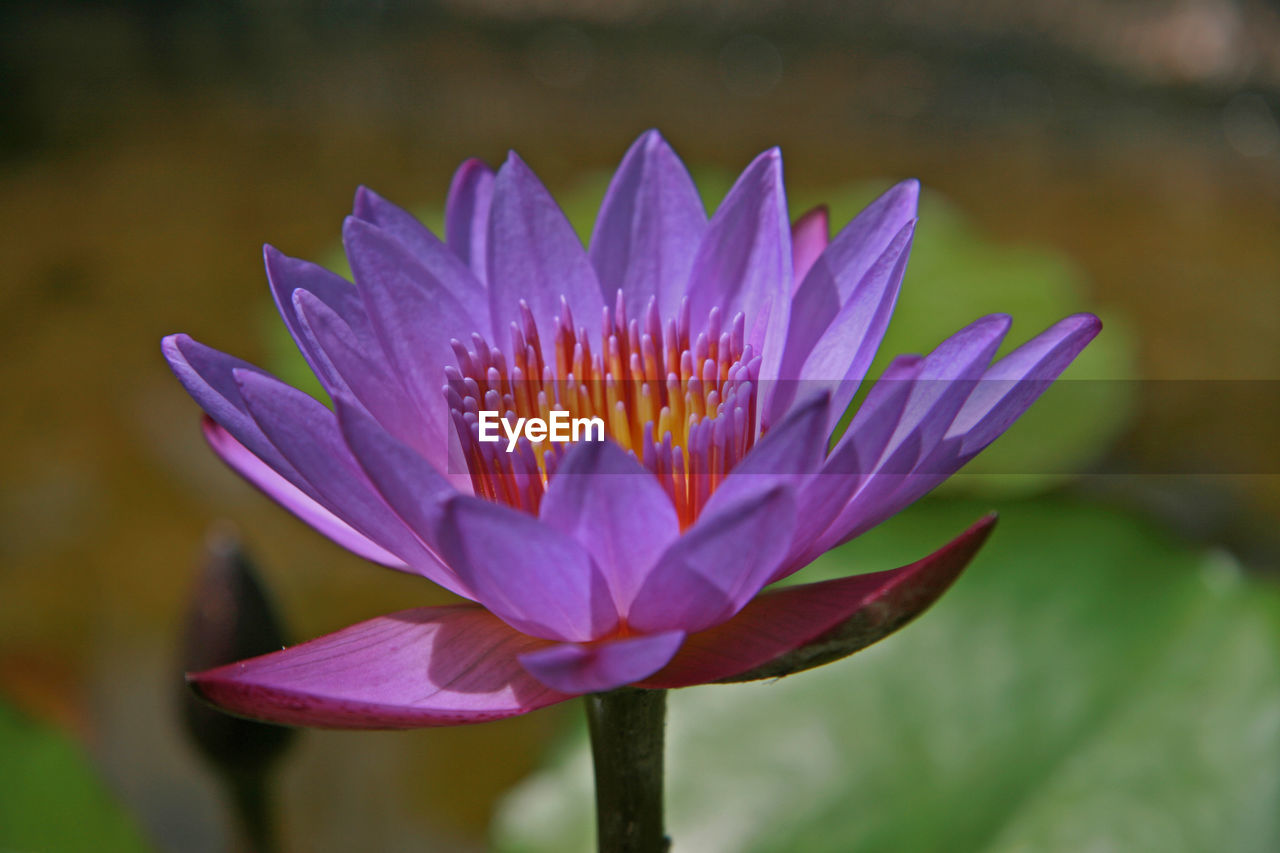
(955, 276)
(51, 800)
(1089, 684)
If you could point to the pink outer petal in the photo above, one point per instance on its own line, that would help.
(430, 666)
(795, 628)
(809, 237)
(573, 668)
(289, 496)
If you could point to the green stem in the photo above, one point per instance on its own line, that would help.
(626, 746)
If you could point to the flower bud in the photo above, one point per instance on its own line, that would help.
(229, 618)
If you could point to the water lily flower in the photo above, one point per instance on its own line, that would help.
(720, 353)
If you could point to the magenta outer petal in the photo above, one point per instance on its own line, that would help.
(717, 566)
(534, 578)
(289, 496)
(466, 215)
(809, 237)
(535, 257)
(819, 622)
(649, 228)
(573, 668)
(431, 666)
(603, 499)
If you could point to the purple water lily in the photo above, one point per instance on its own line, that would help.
(727, 352)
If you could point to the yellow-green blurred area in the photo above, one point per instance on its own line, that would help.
(1107, 674)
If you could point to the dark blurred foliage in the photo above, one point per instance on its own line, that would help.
(69, 65)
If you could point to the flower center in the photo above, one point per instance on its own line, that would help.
(682, 403)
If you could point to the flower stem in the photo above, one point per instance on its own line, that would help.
(626, 746)
(252, 803)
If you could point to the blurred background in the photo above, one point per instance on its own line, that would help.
(1109, 671)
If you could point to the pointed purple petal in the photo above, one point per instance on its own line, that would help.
(364, 379)
(595, 668)
(839, 272)
(432, 666)
(289, 496)
(916, 469)
(809, 237)
(914, 459)
(947, 377)
(415, 490)
(1014, 382)
(649, 228)
(794, 628)
(853, 251)
(445, 267)
(535, 256)
(853, 459)
(288, 275)
(744, 262)
(788, 454)
(307, 434)
(841, 356)
(415, 317)
(206, 373)
(603, 499)
(717, 566)
(466, 215)
(532, 577)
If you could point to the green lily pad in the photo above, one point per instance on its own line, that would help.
(955, 276)
(1089, 684)
(50, 798)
